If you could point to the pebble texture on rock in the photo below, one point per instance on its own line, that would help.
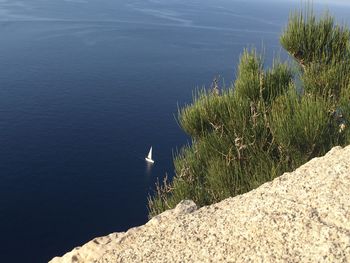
(303, 216)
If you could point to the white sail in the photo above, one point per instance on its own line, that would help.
(149, 156)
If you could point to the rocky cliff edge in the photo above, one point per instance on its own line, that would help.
(303, 216)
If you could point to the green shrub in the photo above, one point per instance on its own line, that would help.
(265, 124)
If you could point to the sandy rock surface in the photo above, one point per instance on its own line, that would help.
(303, 216)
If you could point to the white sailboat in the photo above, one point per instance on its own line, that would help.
(149, 156)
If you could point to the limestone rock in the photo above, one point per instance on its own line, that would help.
(303, 216)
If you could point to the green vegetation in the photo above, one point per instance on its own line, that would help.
(265, 124)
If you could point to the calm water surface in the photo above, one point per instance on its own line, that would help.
(86, 87)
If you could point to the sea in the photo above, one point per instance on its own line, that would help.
(88, 86)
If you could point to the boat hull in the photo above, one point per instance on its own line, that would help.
(149, 160)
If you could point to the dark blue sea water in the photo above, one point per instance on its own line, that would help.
(86, 87)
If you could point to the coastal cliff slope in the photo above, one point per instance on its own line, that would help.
(303, 216)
